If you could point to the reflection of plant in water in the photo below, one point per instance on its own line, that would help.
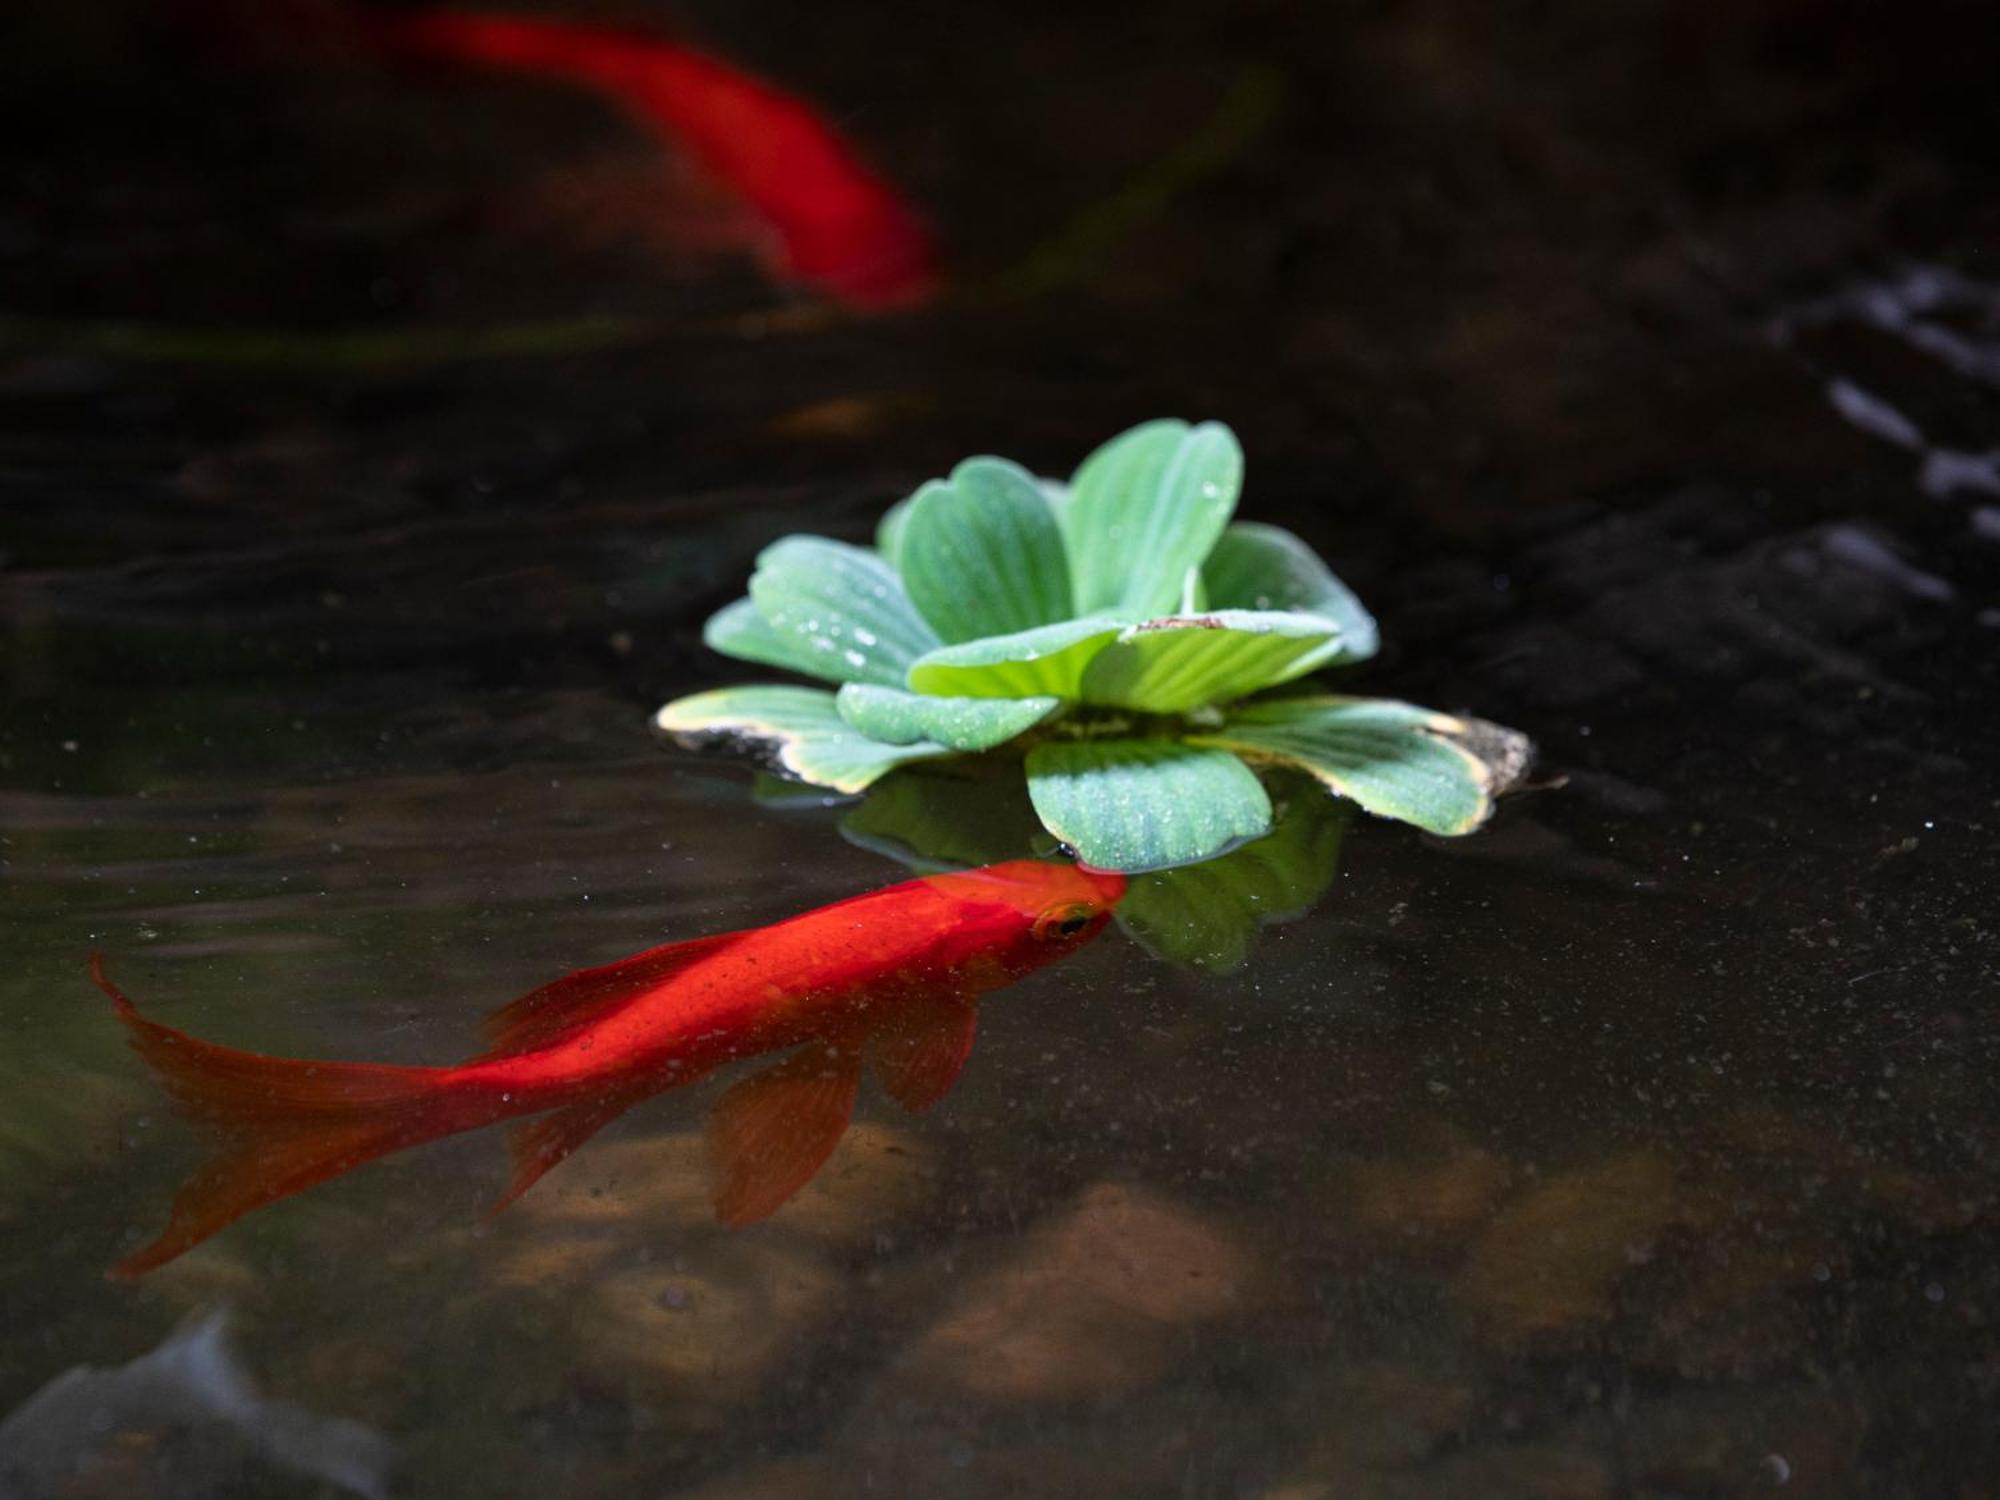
(969, 813)
(1208, 914)
(1114, 633)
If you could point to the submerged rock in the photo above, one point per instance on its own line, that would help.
(1438, 1195)
(654, 1178)
(703, 1335)
(184, 1420)
(1744, 1441)
(1096, 1304)
(1385, 1414)
(876, 1174)
(1523, 1471)
(553, 1260)
(779, 1479)
(1552, 1259)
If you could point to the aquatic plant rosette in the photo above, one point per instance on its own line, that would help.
(1121, 635)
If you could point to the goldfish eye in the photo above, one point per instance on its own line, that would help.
(1062, 922)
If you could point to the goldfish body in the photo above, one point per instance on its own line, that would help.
(893, 975)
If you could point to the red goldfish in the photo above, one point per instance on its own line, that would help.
(893, 976)
(838, 226)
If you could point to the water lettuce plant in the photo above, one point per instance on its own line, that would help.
(1121, 634)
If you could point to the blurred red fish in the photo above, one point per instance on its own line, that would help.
(838, 227)
(893, 976)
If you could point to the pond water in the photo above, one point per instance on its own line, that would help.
(372, 446)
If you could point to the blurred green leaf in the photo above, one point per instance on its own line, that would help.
(981, 553)
(1255, 566)
(1173, 665)
(1208, 915)
(844, 605)
(1396, 760)
(889, 531)
(1126, 804)
(1047, 661)
(900, 718)
(1146, 509)
(738, 630)
(796, 730)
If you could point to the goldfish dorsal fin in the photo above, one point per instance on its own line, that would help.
(770, 1133)
(920, 1051)
(563, 1006)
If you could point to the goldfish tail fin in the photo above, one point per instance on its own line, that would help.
(279, 1125)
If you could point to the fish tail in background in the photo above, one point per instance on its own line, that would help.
(841, 227)
(280, 1125)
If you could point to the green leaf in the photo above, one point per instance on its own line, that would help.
(1396, 760)
(1147, 508)
(1256, 566)
(1145, 804)
(843, 605)
(899, 718)
(795, 730)
(981, 553)
(889, 531)
(949, 815)
(1047, 661)
(1207, 915)
(738, 630)
(1172, 665)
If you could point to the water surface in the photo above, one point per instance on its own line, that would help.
(1644, 1143)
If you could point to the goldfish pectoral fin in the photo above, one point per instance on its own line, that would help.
(544, 1142)
(770, 1133)
(565, 1005)
(919, 1053)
